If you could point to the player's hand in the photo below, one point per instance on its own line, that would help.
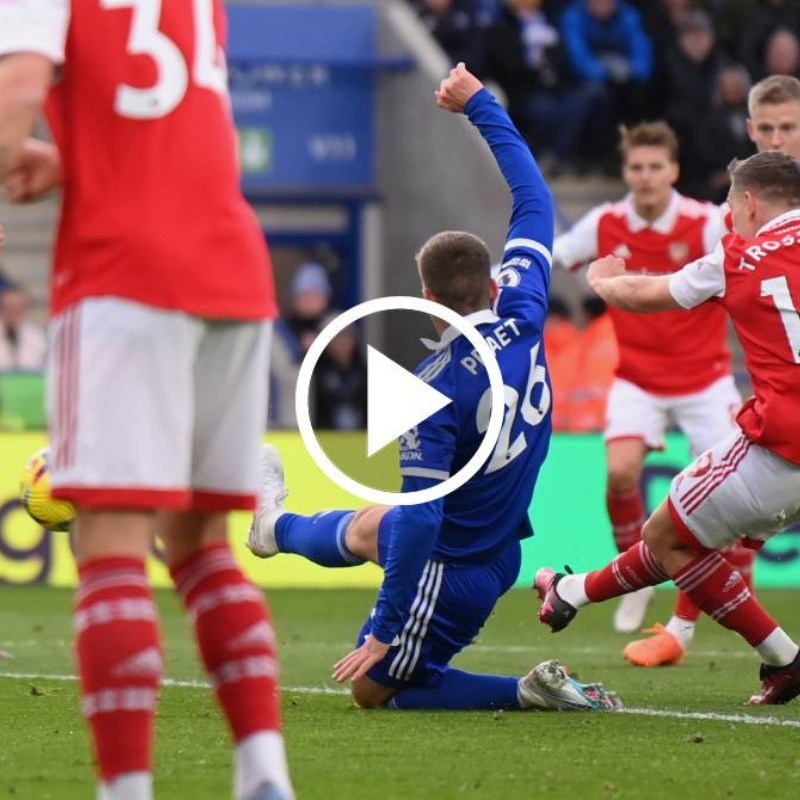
(35, 171)
(355, 665)
(457, 88)
(604, 268)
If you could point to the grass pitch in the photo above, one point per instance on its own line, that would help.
(686, 732)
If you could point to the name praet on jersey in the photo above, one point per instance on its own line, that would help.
(500, 337)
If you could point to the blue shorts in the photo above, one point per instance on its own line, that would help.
(452, 603)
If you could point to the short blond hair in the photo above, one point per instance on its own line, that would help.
(648, 134)
(773, 91)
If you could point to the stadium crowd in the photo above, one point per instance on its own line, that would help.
(573, 70)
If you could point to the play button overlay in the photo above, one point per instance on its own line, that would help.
(387, 419)
(398, 401)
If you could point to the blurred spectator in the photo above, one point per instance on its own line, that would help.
(585, 372)
(764, 18)
(782, 54)
(690, 73)
(663, 20)
(607, 47)
(560, 337)
(457, 25)
(525, 55)
(23, 344)
(718, 136)
(340, 384)
(297, 328)
(310, 302)
(560, 332)
(597, 360)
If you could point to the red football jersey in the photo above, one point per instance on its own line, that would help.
(669, 352)
(758, 281)
(152, 209)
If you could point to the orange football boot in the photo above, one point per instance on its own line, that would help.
(661, 649)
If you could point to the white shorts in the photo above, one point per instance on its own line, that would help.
(735, 490)
(153, 409)
(705, 417)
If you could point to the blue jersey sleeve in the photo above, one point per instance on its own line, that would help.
(524, 278)
(426, 458)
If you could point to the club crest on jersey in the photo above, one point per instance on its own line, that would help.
(679, 252)
(509, 277)
(621, 251)
(410, 449)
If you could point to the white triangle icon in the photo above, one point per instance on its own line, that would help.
(396, 400)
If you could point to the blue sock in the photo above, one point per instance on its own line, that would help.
(319, 538)
(461, 691)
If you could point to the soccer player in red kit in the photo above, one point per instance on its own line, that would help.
(672, 367)
(773, 124)
(746, 487)
(161, 299)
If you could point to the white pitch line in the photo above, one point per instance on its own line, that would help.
(703, 716)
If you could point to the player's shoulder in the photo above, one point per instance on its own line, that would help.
(435, 368)
(690, 208)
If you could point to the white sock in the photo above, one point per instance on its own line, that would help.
(777, 649)
(261, 759)
(682, 630)
(130, 786)
(572, 589)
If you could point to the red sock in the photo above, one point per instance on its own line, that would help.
(634, 569)
(685, 608)
(235, 637)
(720, 591)
(119, 660)
(742, 558)
(627, 515)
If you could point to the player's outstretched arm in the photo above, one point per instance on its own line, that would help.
(608, 278)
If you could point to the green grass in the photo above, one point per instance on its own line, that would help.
(338, 751)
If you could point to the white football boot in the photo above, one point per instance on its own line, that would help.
(549, 687)
(632, 607)
(261, 540)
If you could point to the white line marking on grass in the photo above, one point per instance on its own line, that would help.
(707, 716)
(712, 716)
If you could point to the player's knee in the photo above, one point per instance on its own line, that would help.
(623, 477)
(362, 532)
(368, 694)
(658, 533)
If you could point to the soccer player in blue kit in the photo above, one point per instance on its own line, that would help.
(446, 563)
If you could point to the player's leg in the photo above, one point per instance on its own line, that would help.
(636, 423)
(335, 538)
(706, 417)
(231, 620)
(740, 487)
(118, 391)
(451, 606)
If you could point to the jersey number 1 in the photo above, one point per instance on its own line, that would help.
(164, 96)
(778, 290)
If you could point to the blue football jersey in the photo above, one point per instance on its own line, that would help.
(478, 521)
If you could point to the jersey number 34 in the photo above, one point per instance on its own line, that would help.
(207, 70)
(507, 450)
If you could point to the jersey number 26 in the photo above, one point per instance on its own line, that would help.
(506, 451)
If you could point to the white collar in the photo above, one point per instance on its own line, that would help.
(777, 222)
(483, 317)
(664, 224)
